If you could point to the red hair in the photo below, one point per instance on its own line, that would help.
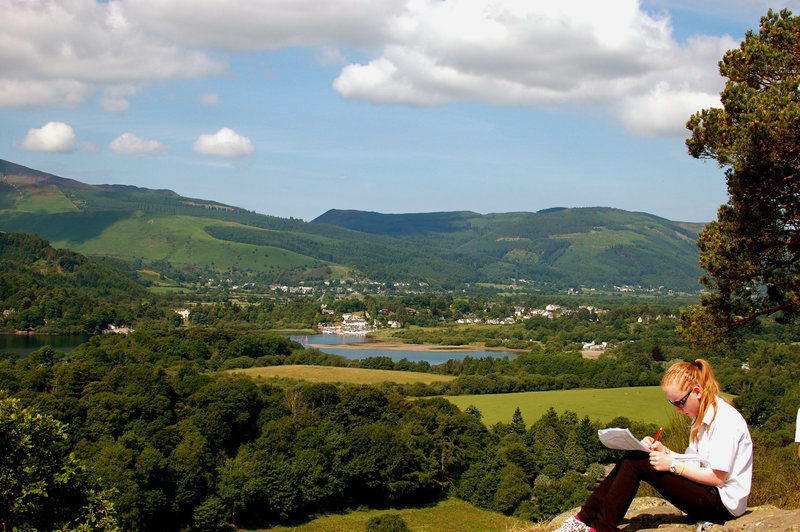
(687, 375)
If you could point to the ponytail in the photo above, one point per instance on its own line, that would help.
(690, 374)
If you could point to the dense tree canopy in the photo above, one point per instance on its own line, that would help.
(752, 251)
(42, 485)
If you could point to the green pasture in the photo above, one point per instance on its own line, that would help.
(44, 200)
(602, 238)
(450, 515)
(643, 403)
(183, 240)
(336, 374)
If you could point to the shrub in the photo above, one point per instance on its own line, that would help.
(387, 523)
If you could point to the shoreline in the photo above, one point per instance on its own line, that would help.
(399, 346)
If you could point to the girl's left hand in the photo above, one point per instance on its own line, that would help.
(660, 460)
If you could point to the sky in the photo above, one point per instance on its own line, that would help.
(294, 107)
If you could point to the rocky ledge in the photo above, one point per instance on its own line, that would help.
(657, 515)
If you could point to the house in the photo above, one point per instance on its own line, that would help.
(113, 329)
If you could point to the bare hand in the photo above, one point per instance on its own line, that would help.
(660, 460)
(647, 440)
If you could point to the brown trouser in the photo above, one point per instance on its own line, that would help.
(606, 507)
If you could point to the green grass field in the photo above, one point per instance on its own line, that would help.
(334, 374)
(644, 403)
(183, 240)
(450, 515)
(45, 200)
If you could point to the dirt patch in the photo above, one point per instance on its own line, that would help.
(651, 514)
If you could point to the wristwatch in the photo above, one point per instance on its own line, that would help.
(672, 466)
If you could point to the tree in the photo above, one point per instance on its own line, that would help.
(42, 487)
(574, 453)
(517, 422)
(386, 523)
(752, 251)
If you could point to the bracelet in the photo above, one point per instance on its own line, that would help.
(683, 467)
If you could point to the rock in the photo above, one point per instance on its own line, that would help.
(651, 514)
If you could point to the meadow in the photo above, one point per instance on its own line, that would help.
(450, 515)
(183, 240)
(643, 403)
(344, 375)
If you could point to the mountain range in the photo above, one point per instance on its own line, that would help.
(161, 230)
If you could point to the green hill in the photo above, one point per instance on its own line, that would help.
(159, 229)
(59, 290)
(586, 246)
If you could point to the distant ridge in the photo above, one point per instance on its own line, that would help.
(16, 174)
(552, 249)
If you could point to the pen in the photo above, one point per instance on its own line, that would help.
(656, 438)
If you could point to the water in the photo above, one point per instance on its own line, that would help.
(25, 344)
(431, 357)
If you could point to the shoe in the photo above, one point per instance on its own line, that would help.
(708, 525)
(573, 524)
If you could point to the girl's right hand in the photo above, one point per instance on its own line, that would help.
(648, 440)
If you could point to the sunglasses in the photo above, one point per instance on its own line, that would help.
(680, 403)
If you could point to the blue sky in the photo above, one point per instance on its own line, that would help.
(294, 107)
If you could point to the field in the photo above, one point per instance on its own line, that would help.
(182, 240)
(450, 515)
(645, 403)
(348, 375)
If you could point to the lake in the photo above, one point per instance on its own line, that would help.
(25, 344)
(431, 357)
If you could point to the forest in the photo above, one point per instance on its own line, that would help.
(151, 431)
(168, 444)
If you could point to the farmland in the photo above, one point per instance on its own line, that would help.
(343, 375)
(450, 515)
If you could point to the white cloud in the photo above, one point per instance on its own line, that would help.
(428, 52)
(610, 56)
(252, 25)
(28, 94)
(224, 143)
(548, 55)
(115, 100)
(90, 147)
(329, 55)
(664, 111)
(60, 52)
(209, 99)
(130, 144)
(55, 137)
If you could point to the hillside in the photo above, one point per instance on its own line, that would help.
(586, 246)
(158, 229)
(51, 289)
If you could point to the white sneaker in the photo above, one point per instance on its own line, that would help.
(708, 525)
(573, 524)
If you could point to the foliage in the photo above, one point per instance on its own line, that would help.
(47, 289)
(751, 251)
(196, 450)
(164, 231)
(387, 523)
(42, 485)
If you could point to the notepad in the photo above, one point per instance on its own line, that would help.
(616, 438)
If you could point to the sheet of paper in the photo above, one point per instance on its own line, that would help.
(616, 438)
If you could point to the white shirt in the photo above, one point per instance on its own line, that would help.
(725, 445)
(797, 427)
